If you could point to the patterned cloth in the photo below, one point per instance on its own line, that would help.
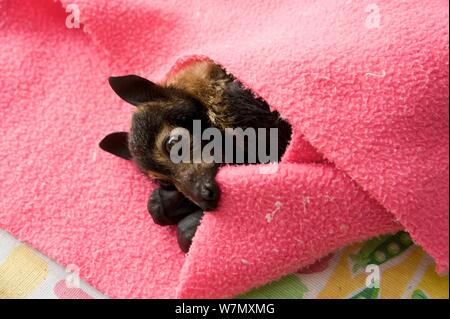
(396, 269)
(25, 273)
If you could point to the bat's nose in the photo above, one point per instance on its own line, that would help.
(208, 194)
(209, 191)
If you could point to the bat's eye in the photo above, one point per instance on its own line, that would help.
(171, 141)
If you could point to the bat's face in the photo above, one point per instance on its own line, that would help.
(163, 117)
(170, 121)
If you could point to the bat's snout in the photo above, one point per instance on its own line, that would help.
(206, 193)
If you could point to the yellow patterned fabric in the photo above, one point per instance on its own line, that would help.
(21, 273)
(25, 273)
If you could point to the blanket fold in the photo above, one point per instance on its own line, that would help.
(364, 86)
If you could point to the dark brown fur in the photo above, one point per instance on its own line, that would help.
(201, 91)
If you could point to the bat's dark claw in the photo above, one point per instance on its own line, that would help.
(168, 207)
(186, 230)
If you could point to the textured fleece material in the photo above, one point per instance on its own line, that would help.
(364, 86)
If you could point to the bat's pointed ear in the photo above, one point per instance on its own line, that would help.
(117, 144)
(135, 89)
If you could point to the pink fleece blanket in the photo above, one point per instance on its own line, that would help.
(364, 85)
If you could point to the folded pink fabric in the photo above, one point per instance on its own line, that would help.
(365, 86)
